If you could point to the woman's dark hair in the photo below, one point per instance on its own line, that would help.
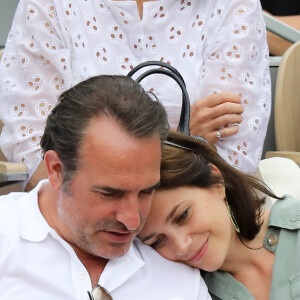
(188, 163)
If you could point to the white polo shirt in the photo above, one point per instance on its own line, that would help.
(35, 263)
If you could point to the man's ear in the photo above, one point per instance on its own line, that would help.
(54, 169)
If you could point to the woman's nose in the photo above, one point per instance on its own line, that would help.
(182, 244)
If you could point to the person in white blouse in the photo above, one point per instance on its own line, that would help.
(218, 46)
(73, 236)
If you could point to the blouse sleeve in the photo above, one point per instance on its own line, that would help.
(236, 60)
(35, 68)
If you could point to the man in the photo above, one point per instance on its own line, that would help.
(75, 231)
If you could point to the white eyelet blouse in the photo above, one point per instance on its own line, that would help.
(217, 45)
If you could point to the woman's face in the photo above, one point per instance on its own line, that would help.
(190, 225)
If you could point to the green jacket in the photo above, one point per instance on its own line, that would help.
(282, 238)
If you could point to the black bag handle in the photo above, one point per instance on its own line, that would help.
(184, 122)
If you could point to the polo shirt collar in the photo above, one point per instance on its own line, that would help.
(131, 262)
(33, 226)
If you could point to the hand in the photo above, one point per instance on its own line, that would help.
(216, 111)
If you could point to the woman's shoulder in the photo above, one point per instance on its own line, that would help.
(285, 213)
(222, 285)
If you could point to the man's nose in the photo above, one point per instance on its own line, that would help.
(128, 212)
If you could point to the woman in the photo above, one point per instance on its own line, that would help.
(208, 215)
(218, 46)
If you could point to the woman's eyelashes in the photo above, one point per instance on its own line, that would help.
(177, 220)
(182, 217)
(158, 243)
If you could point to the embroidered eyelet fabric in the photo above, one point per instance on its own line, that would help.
(217, 45)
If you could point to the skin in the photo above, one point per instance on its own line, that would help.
(277, 44)
(110, 194)
(216, 111)
(200, 234)
(195, 225)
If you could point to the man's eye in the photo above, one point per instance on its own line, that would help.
(107, 195)
(148, 192)
(183, 216)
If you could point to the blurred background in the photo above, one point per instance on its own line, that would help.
(7, 11)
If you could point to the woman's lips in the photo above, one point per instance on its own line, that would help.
(199, 253)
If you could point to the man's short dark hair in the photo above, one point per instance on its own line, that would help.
(118, 97)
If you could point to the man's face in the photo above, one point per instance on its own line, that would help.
(111, 192)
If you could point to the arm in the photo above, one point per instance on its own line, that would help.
(277, 44)
(236, 61)
(34, 70)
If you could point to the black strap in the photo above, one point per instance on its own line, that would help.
(184, 122)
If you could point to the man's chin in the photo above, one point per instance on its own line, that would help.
(114, 251)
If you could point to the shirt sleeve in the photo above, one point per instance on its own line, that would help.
(35, 68)
(236, 59)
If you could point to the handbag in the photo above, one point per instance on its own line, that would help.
(184, 121)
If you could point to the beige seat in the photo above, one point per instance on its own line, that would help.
(287, 106)
(11, 174)
(282, 175)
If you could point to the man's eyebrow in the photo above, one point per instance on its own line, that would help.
(153, 187)
(109, 189)
(172, 213)
(119, 191)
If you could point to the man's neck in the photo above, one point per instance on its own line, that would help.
(93, 264)
(47, 204)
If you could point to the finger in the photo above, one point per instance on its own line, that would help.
(226, 108)
(212, 138)
(217, 99)
(225, 121)
(229, 131)
(215, 105)
(225, 111)
(205, 126)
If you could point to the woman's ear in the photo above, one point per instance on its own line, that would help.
(215, 169)
(54, 169)
(220, 187)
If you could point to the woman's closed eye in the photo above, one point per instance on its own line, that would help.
(158, 243)
(182, 217)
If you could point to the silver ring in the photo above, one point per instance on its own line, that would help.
(219, 136)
